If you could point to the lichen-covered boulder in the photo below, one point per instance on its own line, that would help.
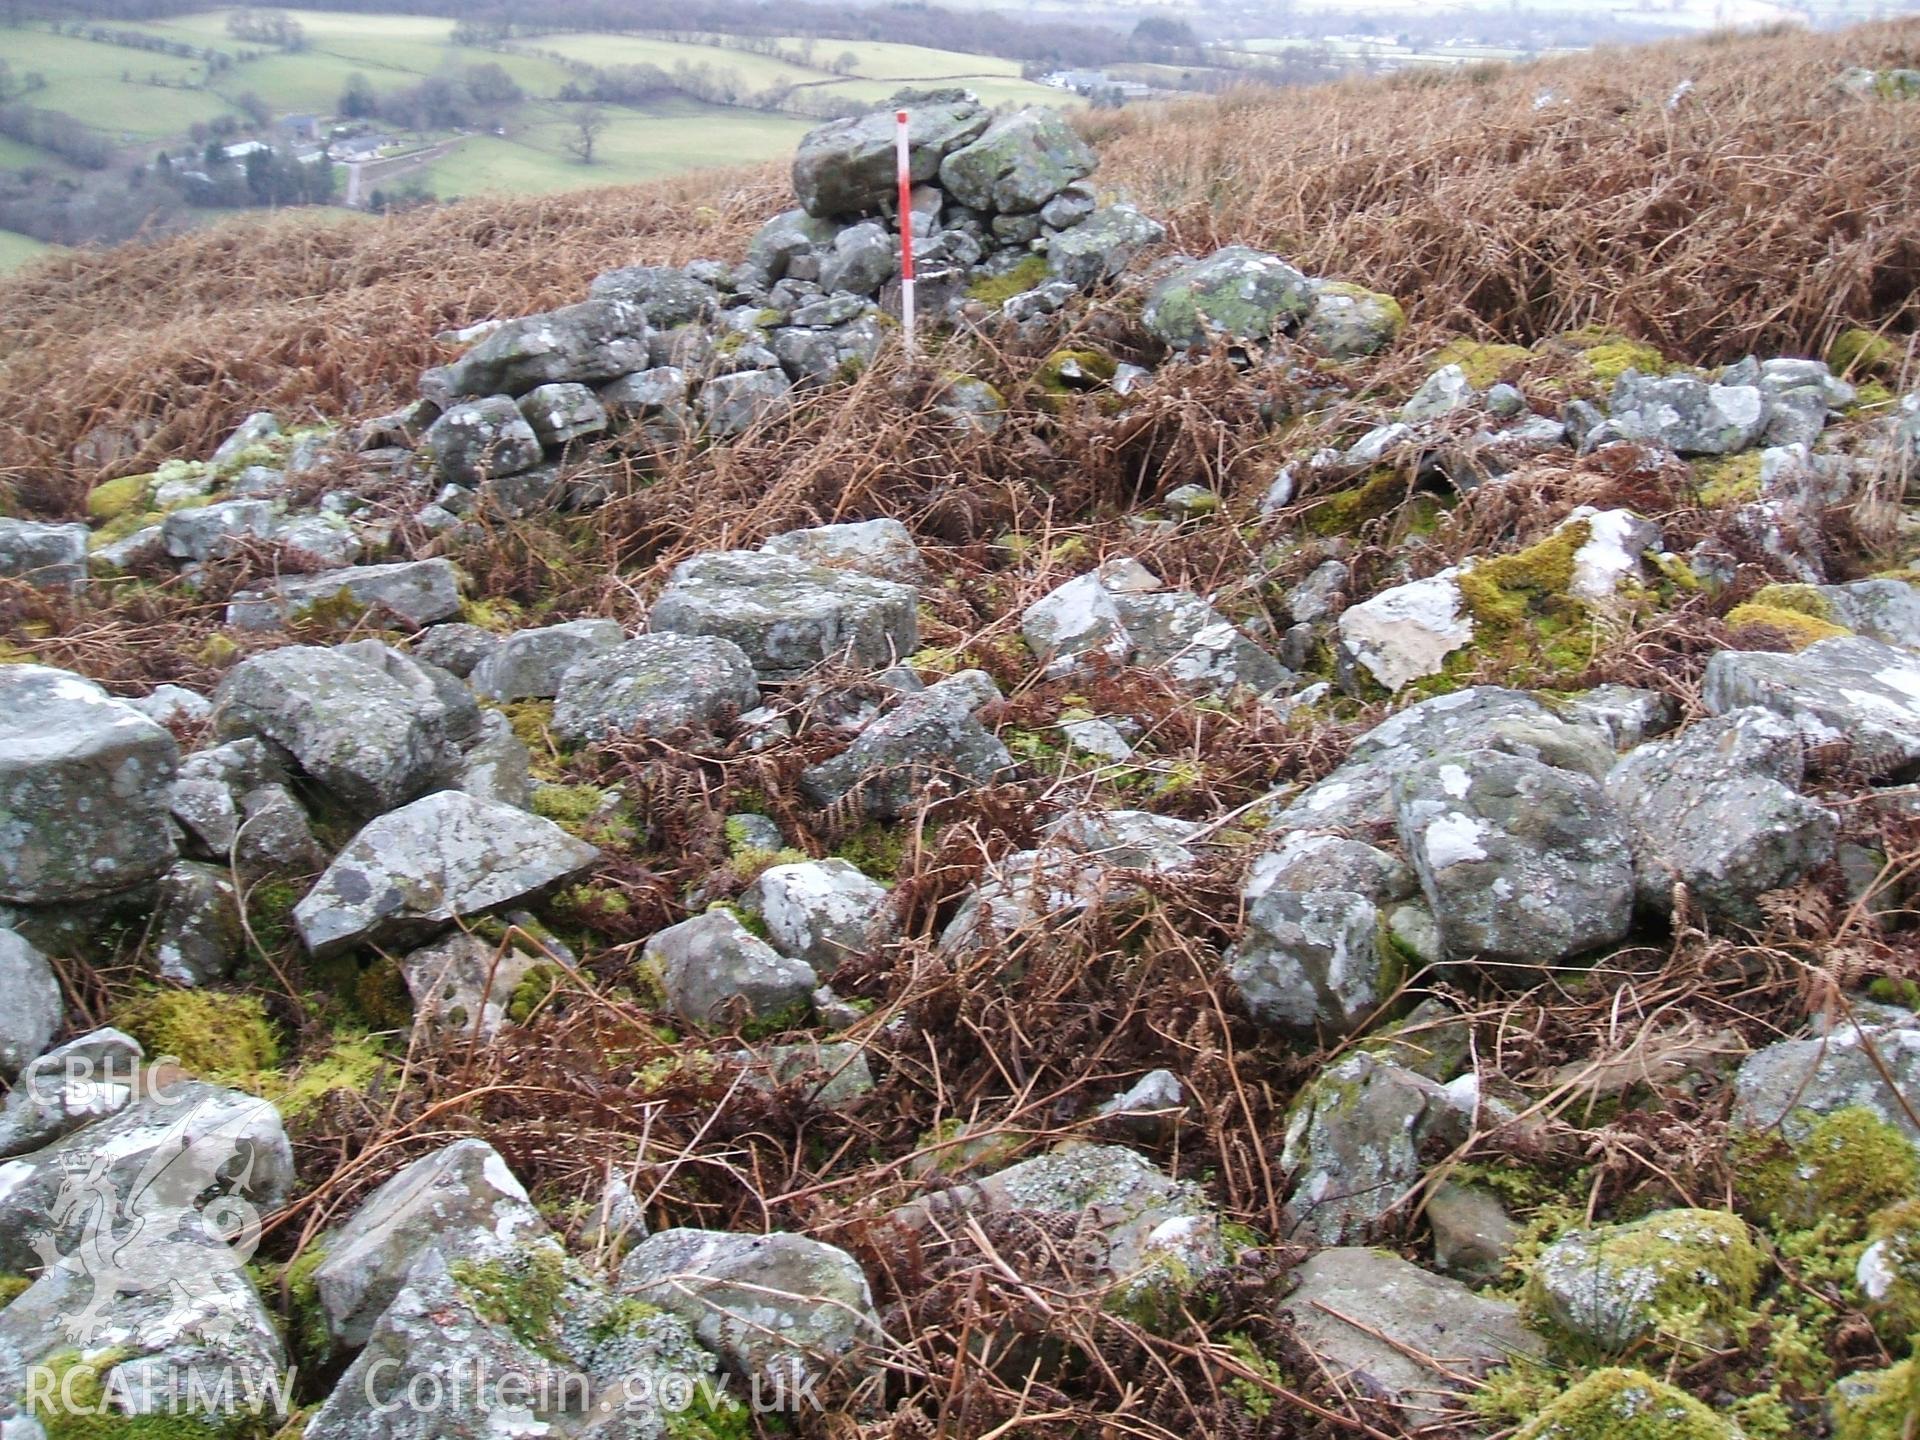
(793, 235)
(765, 1304)
(84, 785)
(1719, 810)
(787, 615)
(666, 297)
(819, 911)
(1522, 863)
(882, 548)
(166, 1321)
(712, 967)
(1185, 638)
(1352, 1146)
(1102, 246)
(1406, 632)
(597, 339)
(1685, 414)
(1235, 294)
(359, 731)
(1140, 1232)
(408, 593)
(1018, 164)
(1626, 1405)
(1847, 690)
(461, 1202)
(47, 557)
(926, 736)
(1887, 610)
(1081, 617)
(834, 1072)
(1368, 1315)
(847, 167)
(1677, 1276)
(474, 442)
(1316, 960)
(863, 258)
(529, 664)
(416, 869)
(1349, 321)
(31, 1010)
(206, 532)
(654, 685)
(221, 1142)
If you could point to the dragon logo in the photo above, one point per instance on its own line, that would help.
(139, 1222)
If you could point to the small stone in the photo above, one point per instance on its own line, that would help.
(819, 911)
(712, 965)
(1406, 632)
(930, 736)
(32, 1010)
(729, 405)
(462, 986)
(561, 413)
(1472, 1232)
(883, 549)
(47, 557)
(196, 924)
(71, 1085)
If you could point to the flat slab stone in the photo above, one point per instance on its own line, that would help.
(1415, 1313)
(410, 593)
(1848, 690)
(786, 615)
(416, 869)
(653, 685)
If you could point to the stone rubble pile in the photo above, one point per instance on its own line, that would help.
(1499, 836)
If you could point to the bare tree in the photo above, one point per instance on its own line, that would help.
(588, 124)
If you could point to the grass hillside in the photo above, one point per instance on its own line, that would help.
(1756, 212)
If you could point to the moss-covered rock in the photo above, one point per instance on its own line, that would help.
(1863, 352)
(1676, 1278)
(1626, 1405)
(1848, 1165)
(1485, 364)
(1877, 1404)
(1028, 274)
(111, 499)
(1799, 628)
(1888, 1273)
(211, 1033)
(1609, 354)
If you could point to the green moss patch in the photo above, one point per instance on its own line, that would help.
(1486, 364)
(1851, 1164)
(1626, 1405)
(1863, 352)
(212, 1033)
(998, 289)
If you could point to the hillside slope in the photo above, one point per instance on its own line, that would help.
(1230, 850)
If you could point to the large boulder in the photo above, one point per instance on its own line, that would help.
(1522, 863)
(931, 735)
(847, 167)
(361, 732)
(174, 1149)
(1846, 691)
(773, 1307)
(1020, 163)
(84, 782)
(1719, 810)
(728, 405)
(666, 297)
(599, 339)
(654, 685)
(462, 1202)
(787, 615)
(1400, 1334)
(409, 593)
(1235, 294)
(882, 548)
(418, 868)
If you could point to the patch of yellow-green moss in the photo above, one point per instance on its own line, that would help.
(496, 613)
(350, 1065)
(521, 1291)
(568, 806)
(1863, 352)
(1800, 629)
(710, 1414)
(12, 1287)
(338, 611)
(1030, 273)
(305, 1320)
(1726, 479)
(1850, 1164)
(876, 850)
(217, 650)
(127, 522)
(1879, 1404)
(73, 1402)
(1485, 363)
(532, 724)
(1095, 367)
(112, 498)
(1345, 511)
(1609, 354)
(1521, 605)
(213, 1033)
(535, 988)
(1619, 1404)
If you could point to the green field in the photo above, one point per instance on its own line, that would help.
(992, 89)
(16, 250)
(756, 72)
(15, 156)
(107, 85)
(881, 61)
(638, 145)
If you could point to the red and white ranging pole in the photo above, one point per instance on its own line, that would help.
(906, 230)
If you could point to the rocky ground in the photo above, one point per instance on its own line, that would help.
(1402, 929)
